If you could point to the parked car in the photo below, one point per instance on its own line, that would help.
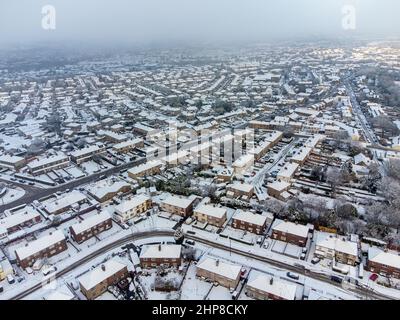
(337, 279)
(235, 295)
(190, 242)
(48, 270)
(373, 277)
(293, 275)
(125, 226)
(315, 260)
(10, 279)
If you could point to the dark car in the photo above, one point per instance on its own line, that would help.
(293, 275)
(336, 279)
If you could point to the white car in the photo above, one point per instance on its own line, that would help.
(10, 279)
(48, 270)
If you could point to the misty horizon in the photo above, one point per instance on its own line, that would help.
(157, 21)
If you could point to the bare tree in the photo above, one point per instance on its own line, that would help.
(340, 137)
(392, 168)
(36, 147)
(53, 123)
(81, 142)
(345, 210)
(374, 176)
(389, 188)
(334, 178)
(385, 124)
(274, 206)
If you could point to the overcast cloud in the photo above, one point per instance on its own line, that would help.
(136, 21)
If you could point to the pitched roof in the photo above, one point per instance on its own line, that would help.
(219, 267)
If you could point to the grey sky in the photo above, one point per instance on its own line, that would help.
(155, 20)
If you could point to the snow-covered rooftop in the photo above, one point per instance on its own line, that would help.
(101, 273)
(146, 166)
(272, 285)
(40, 244)
(18, 218)
(66, 201)
(290, 227)
(337, 243)
(90, 222)
(386, 258)
(85, 151)
(250, 217)
(279, 185)
(210, 210)
(244, 187)
(10, 159)
(129, 143)
(102, 188)
(132, 203)
(161, 251)
(219, 267)
(46, 161)
(178, 201)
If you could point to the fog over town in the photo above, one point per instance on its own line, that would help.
(132, 21)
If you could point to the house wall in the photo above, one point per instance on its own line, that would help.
(125, 216)
(46, 253)
(89, 233)
(102, 287)
(184, 212)
(155, 262)
(260, 294)
(380, 268)
(290, 238)
(209, 219)
(244, 225)
(223, 281)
